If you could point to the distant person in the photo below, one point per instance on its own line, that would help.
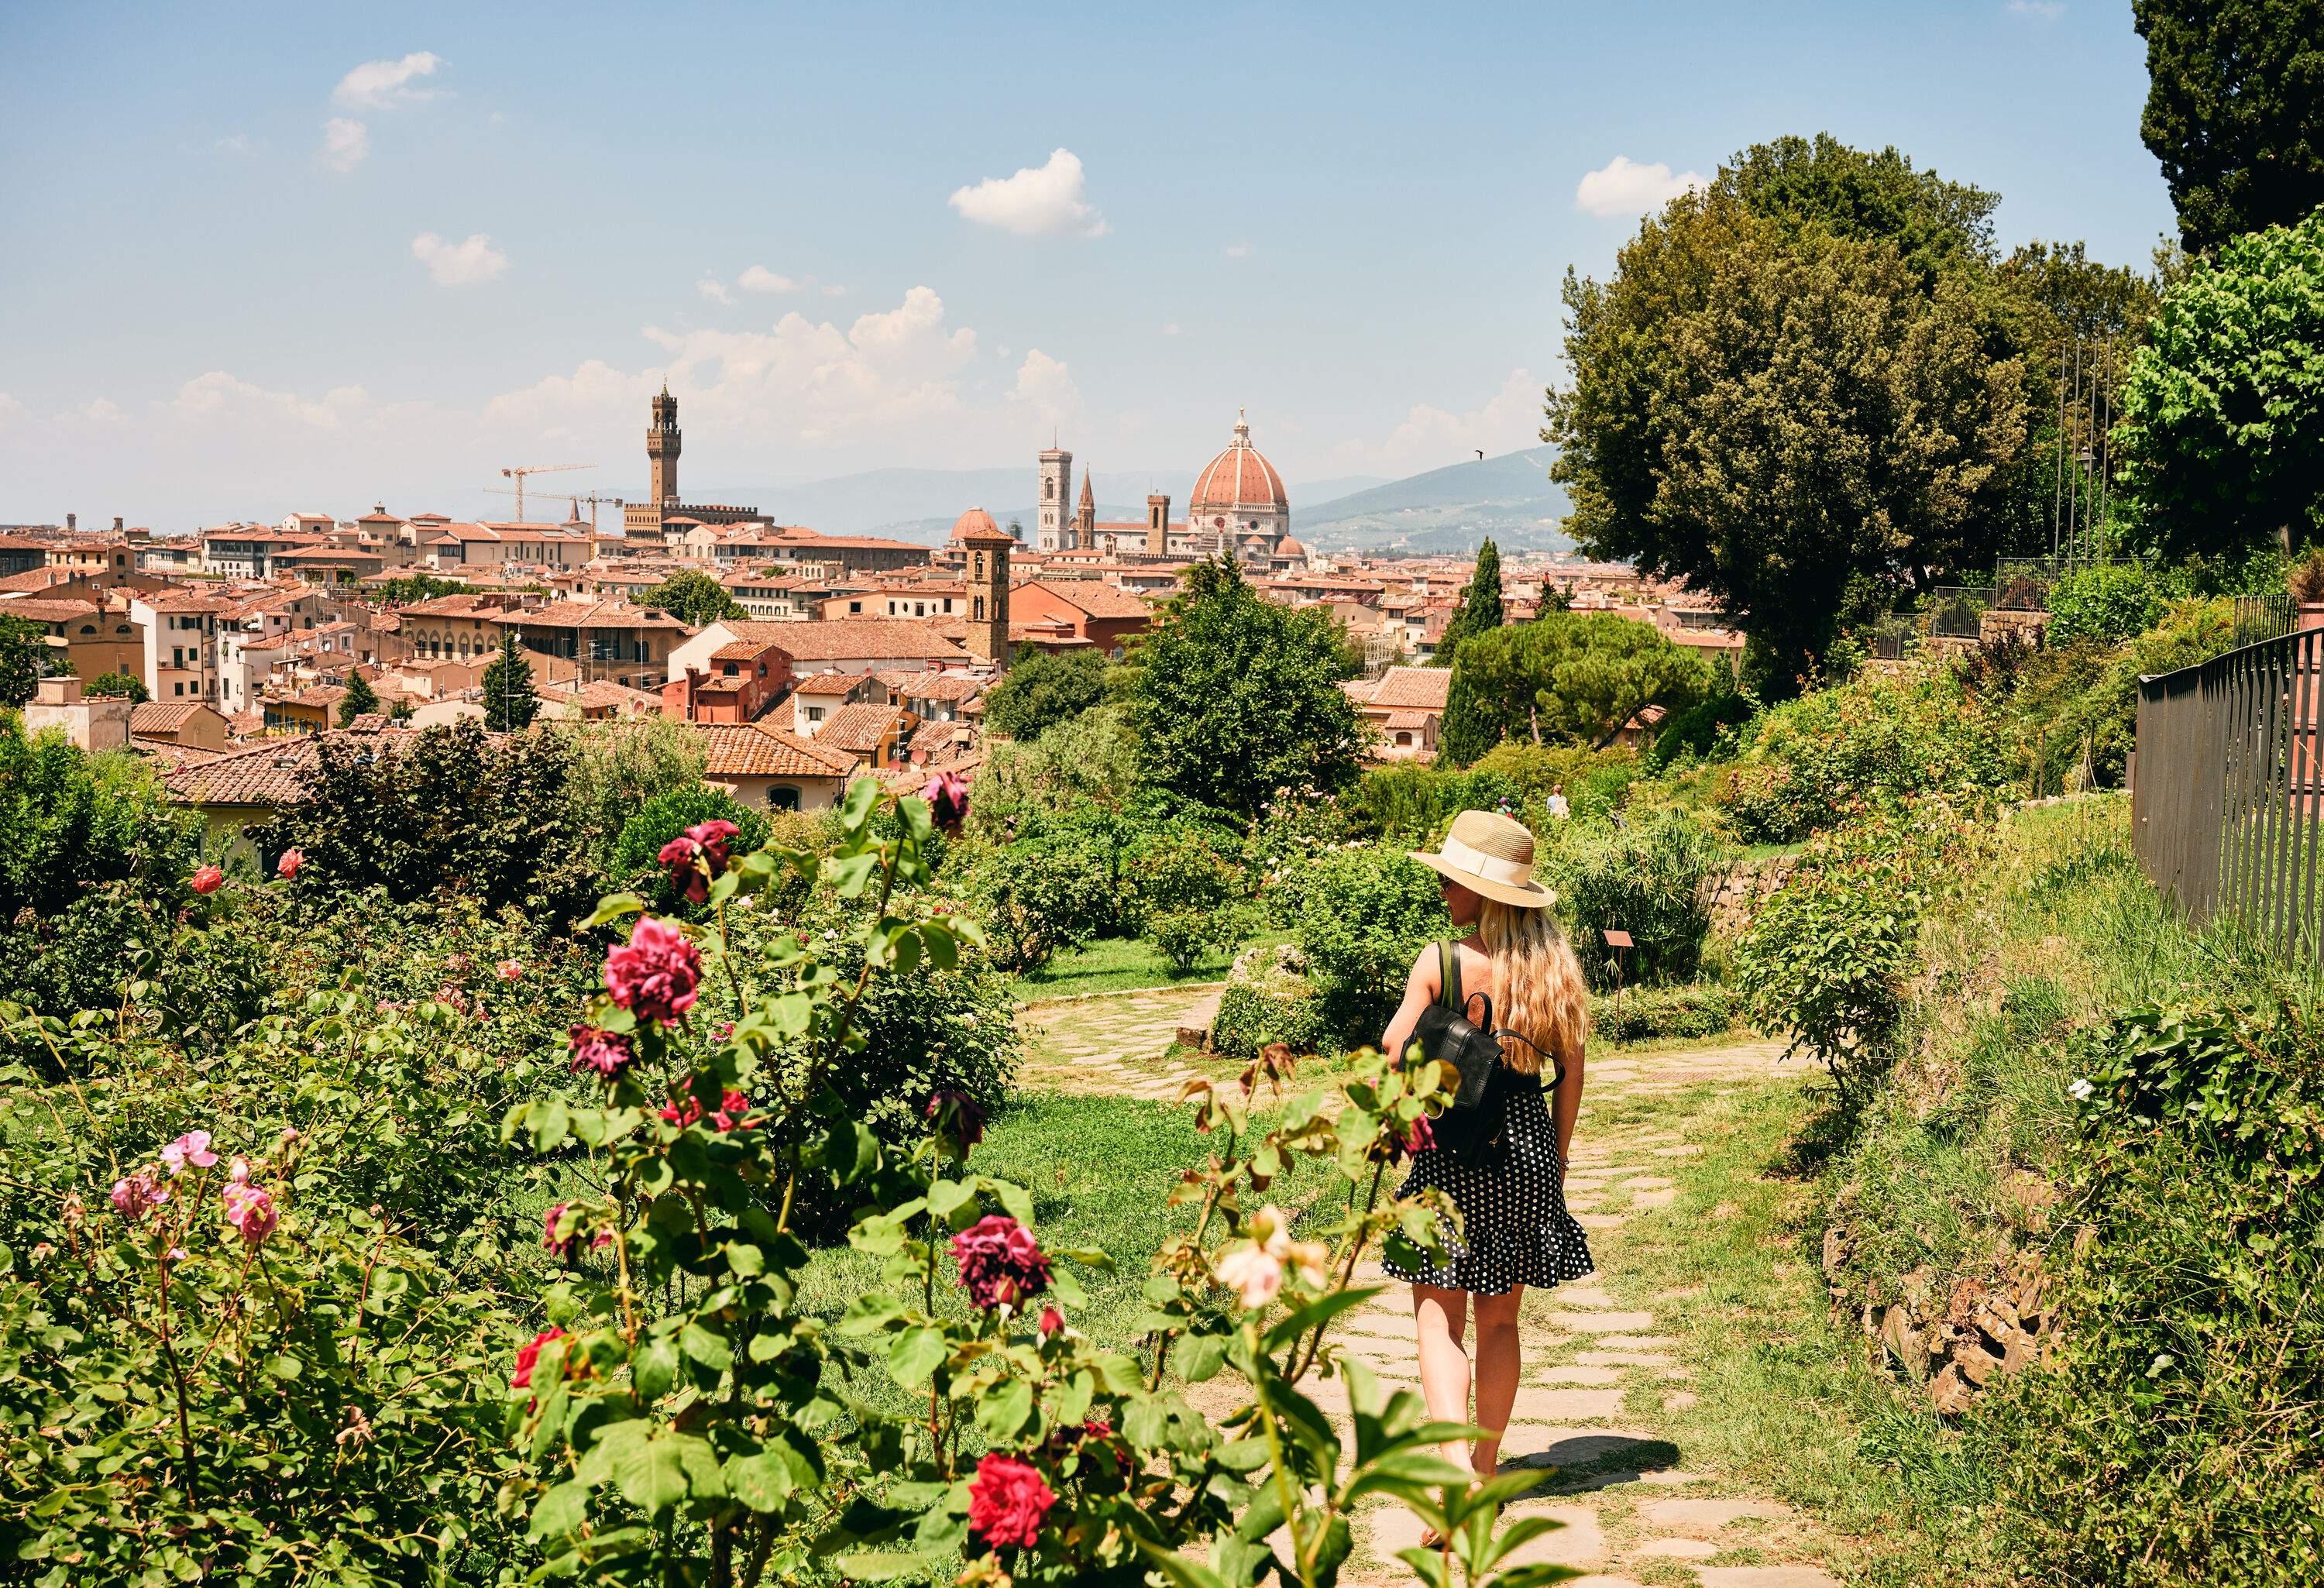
(1515, 1228)
(1559, 810)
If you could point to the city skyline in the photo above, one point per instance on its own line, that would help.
(313, 261)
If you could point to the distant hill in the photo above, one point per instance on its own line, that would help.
(1445, 509)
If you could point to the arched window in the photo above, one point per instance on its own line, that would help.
(782, 796)
(1404, 741)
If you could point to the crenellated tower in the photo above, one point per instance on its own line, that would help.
(663, 442)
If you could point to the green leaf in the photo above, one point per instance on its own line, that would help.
(563, 1509)
(1198, 1357)
(1003, 1409)
(762, 1482)
(652, 1476)
(612, 908)
(284, 1367)
(1013, 1197)
(914, 1354)
(653, 1366)
(550, 1120)
(707, 1346)
(944, 1195)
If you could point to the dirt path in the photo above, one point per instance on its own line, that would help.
(1606, 1408)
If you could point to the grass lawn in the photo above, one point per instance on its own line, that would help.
(1118, 965)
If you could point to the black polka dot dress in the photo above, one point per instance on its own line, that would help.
(1514, 1226)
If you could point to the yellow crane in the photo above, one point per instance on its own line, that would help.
(518, 473)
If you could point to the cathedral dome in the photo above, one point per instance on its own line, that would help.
(978, 523)
(1238, 480)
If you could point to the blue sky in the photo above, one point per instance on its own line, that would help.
(263, 258)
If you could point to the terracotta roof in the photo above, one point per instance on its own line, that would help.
(1236, 478)
(270, 774)
(33, 609)
(157, 717)
(592, 614)
(1411, 687)
(1407, 719)
(828, 684)
(933, 686)
(862, 727)
(845, 638)
(743, 651)
(171, 754)
(1097, 598)
(39, 578)
(755, 750)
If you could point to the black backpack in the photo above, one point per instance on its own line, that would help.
(1472, 1130)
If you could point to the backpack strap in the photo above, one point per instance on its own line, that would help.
(1448, 975)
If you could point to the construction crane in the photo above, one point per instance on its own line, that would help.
(557, 496)
(518, 473)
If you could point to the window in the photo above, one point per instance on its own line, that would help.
(815, 714)
(178, 688)
(782, 796)
(980, 609)
(1404, 741)
(854, 607)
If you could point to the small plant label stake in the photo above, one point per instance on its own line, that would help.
(1618, 940)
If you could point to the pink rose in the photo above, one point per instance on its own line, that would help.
(286, 868)
(135, 1196)
(249, 1209)
(697, 857)
(205, 879)
(947, 796)
(655, 974)
(191, 1149)
(510, 970)
(608, 1053)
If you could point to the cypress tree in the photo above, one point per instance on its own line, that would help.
(509, 701)
(360, 700)
(1480, 605)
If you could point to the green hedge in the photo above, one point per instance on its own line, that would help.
(1250, 1017)
(1654, 1013)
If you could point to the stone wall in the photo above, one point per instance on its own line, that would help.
(1737, 893)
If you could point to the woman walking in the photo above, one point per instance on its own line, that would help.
(1514, 1230)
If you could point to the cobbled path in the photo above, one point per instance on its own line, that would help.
(1603, 1406)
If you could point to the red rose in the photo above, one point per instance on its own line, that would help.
(999, 1261)
(1007, 1500)
(655, 974)
(205, 879)
(529, 1353)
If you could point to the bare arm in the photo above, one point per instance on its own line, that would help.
(1564, 1107)
(1420, 989)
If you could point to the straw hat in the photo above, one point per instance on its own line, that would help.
(1492, 854)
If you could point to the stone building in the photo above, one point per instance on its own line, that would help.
(1239, 505)
(987, 546)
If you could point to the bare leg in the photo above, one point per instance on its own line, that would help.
(1499, 1361)
(1442, 1317)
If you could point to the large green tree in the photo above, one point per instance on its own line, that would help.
(124, 685)
(1786, 416)
(2235, 111)
(510, 703)
(2222, 438)
(1233, 697)
(23, 650)
(1567, 676)
(693, 598)
(1043, 688)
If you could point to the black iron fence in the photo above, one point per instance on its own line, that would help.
(2224, 801)
(1958, 612)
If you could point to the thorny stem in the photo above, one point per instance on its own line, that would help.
(178, 1376)
(1347, 1273)
(1284, 1492)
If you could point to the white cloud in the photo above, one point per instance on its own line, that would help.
(99, 410)
(2040, 10)
(833, 292)
(384, 85)
(1624, 188)
(458, 264)
(712, 287)
(1046, 387)
(236, 143)
(344, 143)
(881, 379)
(760, 278)
(219, 394)
(1171, 330)
(1238, 251)
(1430, 436)
(13, 412)
(1038, 201)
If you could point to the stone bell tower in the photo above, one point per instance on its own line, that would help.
(663, 442)
(987, 549)
(1085, 517)
(1051, 529)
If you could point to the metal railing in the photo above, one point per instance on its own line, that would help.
(2262, 617)
(2226, 796)
(1957, 611)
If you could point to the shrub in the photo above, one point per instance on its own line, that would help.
(1646, 879)
(1091, 759)
(1828, 955)
(1409, 804)
(1251, 1015)
(1366, 915)
(1696, 730)
(1650, 1015)
(1811, 761)
(2112, 601)
(1044, 689)
(1058, 886)
(2176, 1437)
(635, 863)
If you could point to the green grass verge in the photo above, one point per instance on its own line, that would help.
(1121, 965)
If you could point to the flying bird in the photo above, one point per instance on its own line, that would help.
(1480, 455)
